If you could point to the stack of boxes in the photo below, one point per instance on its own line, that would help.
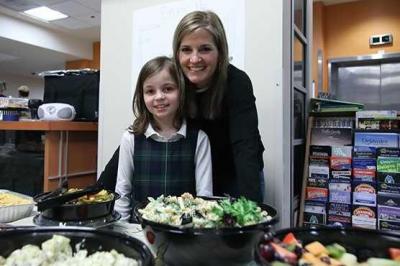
(317, 185)
(328, 191)
(339, 205)
(355, 186)
(364, 186)
(376, 199)
(388, 177)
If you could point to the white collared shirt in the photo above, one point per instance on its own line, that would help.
(202, 159)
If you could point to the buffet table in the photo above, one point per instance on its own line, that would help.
(132, 230)
(70, 150)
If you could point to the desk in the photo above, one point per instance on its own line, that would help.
(70, 150)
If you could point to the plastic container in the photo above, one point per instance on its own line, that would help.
(363, 243)
(91, 239)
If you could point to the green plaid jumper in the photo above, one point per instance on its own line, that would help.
(164, 167)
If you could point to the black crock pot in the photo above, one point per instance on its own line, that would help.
(94, 240)
(189, 246)
(81, 212)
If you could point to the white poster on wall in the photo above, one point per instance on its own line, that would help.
(153, 28)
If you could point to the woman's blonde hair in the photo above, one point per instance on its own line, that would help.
(142, 114)
(213, 97)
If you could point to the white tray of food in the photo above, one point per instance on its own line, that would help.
(14, 206)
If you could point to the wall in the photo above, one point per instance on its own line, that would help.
(94, 64)
(347, 28)
(263, 63)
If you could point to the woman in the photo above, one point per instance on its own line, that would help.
(221, 103)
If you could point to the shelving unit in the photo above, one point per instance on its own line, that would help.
(311, 121)
(367, 193)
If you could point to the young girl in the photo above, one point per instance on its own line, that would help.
(160, 153)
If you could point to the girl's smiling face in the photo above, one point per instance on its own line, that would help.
(161, 96)
(198, 57)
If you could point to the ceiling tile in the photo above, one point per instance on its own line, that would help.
(72, 8)
(94, 19)
(71, 23)
(48, 2)
(18, 5)
(93, 4)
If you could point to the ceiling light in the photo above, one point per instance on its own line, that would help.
(45, 13)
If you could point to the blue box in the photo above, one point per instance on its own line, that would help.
(389, 140)
(364, 163)
(364, 152)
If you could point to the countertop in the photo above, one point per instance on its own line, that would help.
(40, 125)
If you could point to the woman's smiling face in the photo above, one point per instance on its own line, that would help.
(198, 57)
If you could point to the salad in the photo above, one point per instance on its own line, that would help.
(290, 251)
(196, 212)
(57, 251)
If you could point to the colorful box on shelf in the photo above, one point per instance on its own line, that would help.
(389, 178)
(342, 151)
(390, 140)
(388, 188)
(388, 213)
(341, 174)
(388, 218)
(384, 225)
(364, 217)
(364, 152)
(320, 151)
(340, 163)
(331, 136)
(318, 170)
(364, 163)
(314, 213)
(388, 152)
(377, 114)
(339, 214)
(364, 174)
(317, 182)
(364, 193)
(388, 164)
(317, 194)
(388, 199)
